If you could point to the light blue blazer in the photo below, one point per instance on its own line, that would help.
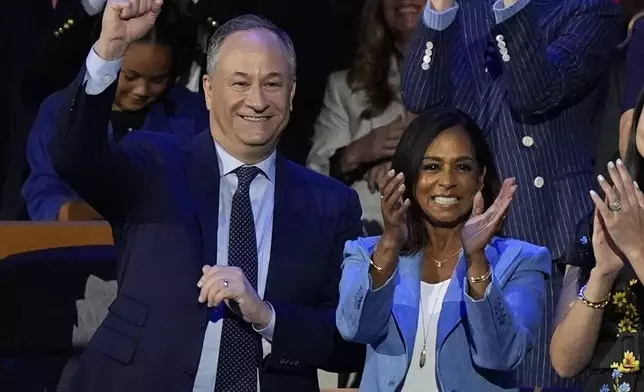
(479, 343)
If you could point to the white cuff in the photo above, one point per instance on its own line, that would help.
(267, 331)
(100, 73)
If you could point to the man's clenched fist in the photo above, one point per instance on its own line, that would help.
(125, 21)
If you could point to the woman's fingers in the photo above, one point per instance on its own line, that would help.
(627, 185)
(392, 183)
(609, 191)
(601, 206)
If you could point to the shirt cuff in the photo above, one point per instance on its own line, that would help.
(439, 20)
(100, 73)
(267, 331)
(93, 7)
(503, 13)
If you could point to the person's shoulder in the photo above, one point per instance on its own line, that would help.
(318, 182)
(506, 244)
(155, 143)
(186, 101)
(513, 254)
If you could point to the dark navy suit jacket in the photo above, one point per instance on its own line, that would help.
(162, 201)
(182, 113)
(557, 52)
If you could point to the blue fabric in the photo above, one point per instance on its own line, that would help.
(45, 193)
(478, 344)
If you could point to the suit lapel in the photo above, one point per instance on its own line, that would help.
(407, 298)
(204, 179)
(288, 207)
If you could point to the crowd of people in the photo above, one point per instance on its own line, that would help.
(431, 214)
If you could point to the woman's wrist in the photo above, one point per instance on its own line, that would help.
(599, 284)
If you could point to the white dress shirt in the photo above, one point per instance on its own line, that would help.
(99, 76)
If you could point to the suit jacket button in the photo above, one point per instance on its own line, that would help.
(203, 326)
(189, 374)
(282, 361)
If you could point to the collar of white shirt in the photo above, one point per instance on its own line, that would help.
(228, 163)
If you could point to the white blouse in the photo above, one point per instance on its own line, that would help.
(431, 301)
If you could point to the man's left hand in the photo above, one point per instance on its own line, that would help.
(229, 284)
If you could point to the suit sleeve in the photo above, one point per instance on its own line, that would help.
(504, 323)
(546, 74)
(108, 176)
(306, 337)
(426, 78)
(44, 192)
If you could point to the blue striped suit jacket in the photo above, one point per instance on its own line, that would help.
(543, 90)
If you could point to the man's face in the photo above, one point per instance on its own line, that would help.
(250, 94)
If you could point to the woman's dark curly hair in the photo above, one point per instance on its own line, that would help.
(370, 68)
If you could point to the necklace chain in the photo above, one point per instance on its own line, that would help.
(423, 351)
(439, 263)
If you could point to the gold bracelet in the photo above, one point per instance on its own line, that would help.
(592, 304)
(373, 264)
(482, 278)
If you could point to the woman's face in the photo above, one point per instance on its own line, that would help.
(402, 16)
(449, 178)
(144, 76)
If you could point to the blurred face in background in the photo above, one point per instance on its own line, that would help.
(402, 16)
(144, 76)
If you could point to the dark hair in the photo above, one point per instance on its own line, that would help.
(634, 161)
(370, 67)
(245, 23)
(409, 155)
(177, 30)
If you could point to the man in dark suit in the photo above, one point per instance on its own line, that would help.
(526, 71)
(229, 255)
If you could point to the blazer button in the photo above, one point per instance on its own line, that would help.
(282, 361)
(189, 374)
(203, 326)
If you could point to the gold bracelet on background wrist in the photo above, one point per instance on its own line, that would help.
(592, 304)
(480, 279)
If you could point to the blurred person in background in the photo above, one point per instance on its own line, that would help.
(147, 99)
(527, 72)
(363, 117)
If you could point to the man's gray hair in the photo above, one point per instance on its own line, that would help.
(245, 23)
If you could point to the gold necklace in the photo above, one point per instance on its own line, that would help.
(423, 351)
(439, 263)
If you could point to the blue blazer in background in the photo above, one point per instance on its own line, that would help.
(182, 113)
(479, 343)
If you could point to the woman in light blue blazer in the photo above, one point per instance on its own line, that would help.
(441, 302)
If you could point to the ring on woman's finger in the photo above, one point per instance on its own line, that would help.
(615, 206)
(225, 282)
(381, 196)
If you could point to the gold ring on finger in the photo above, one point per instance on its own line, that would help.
(615, 206)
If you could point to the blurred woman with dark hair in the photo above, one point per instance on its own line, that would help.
(146, 99)
(363, 117)
(599, 327)
(441, 302)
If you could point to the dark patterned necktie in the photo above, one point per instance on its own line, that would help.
(240, 345)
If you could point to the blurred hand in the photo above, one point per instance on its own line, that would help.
(607, 255)
(483, 225)
(623, 211)
(229, 284)
(394, 209)
(125, 21)
(377, 175)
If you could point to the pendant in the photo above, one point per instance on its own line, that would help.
(423, 357)
(439, 264)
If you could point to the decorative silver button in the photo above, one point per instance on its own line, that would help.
(527, 141)
(428, 52)
(505, 58)
(502, 44)
(427, 59)
(503, 50)
(429, 45)
(500, 38)
(424, 66)
(539, 182)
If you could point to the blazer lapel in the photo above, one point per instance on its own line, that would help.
(289, 204)
(203, 175)
(407, 298)
(452, 311)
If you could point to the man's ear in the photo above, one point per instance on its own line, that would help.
(482, 179)
(293, 93)
(207, 89)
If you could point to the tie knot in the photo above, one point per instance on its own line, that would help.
(246, 174)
